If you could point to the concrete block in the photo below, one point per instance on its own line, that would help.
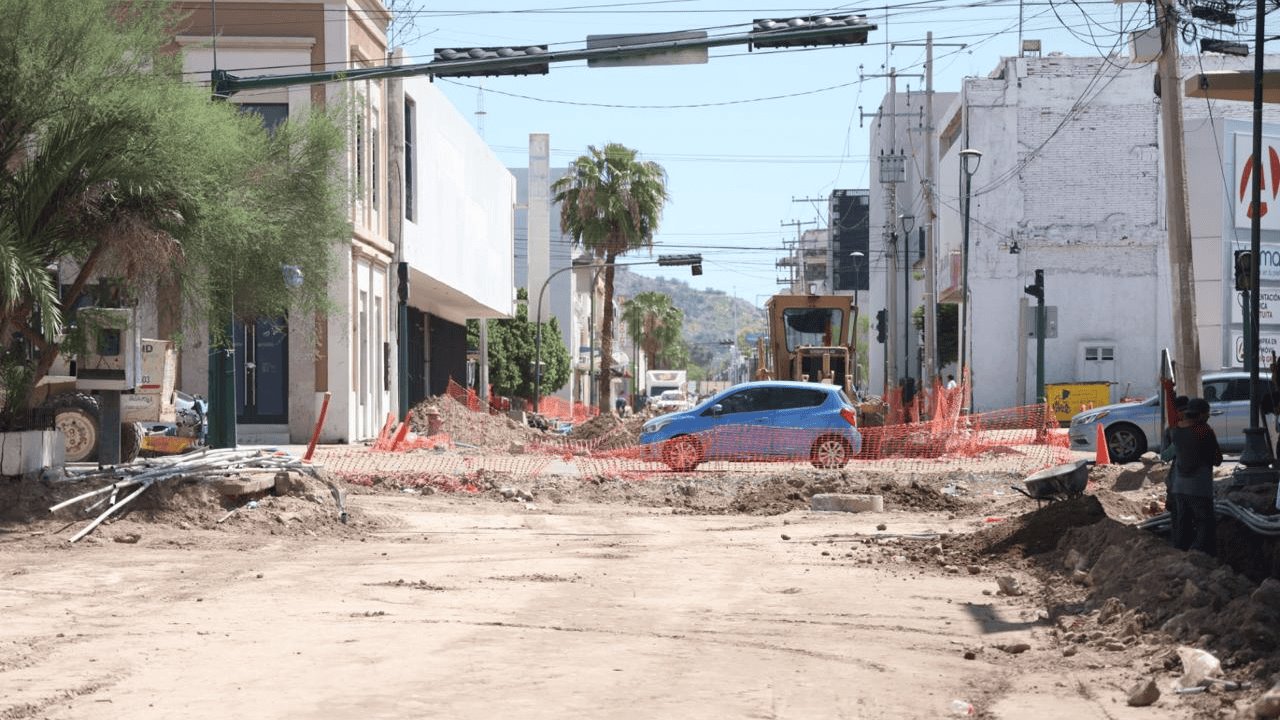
(246, 484)
(844, 502)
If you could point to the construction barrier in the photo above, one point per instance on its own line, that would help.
(1021, 440)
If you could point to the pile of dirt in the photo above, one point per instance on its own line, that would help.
(469, 427)
(609, 431)
(172, 508)
(1035, 532)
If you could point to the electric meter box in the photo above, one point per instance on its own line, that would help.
(113, 356)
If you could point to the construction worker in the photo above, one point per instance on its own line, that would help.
(1196, 453)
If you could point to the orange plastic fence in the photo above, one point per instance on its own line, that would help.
(1021, 439)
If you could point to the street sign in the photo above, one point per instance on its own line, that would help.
(660, 56)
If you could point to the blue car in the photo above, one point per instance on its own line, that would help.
(768, 420)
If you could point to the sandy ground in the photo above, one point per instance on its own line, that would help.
(588, 601)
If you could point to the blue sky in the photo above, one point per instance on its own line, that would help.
(735, 158)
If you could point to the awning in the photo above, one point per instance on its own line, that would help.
(1233, 85)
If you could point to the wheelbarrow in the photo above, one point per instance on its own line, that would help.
(1059, 482)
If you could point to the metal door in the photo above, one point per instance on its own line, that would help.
(262, 371)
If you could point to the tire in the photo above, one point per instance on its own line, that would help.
(77, 416)
(130, 441)
(830, 452)
(1125, 443)
(682, 453)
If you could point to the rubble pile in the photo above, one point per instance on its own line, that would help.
(609, 431)
(470, 428)
(230, 472)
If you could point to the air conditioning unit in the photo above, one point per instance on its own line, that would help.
(113, 356)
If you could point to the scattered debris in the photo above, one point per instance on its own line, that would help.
(1144, 693)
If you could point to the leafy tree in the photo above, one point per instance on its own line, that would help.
(610, 202)
(112, 165)
(654, 325)
(513, 349)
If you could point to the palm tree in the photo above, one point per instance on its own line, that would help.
(654, 324)
(610, 203)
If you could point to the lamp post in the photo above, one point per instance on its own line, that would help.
(693, 261)
(857, 256)
(969, 161)
(908, 223)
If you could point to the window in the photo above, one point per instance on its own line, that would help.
(1099, 353)
(822, 327)
(272, 114)
(410, 125)
(792, 399)
(375, 152)
(751, 400)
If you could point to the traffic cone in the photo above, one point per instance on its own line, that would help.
(1102, 456)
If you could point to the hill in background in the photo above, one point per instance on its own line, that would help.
(710, 316)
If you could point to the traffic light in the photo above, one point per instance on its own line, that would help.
(1244, 270)
(880, 325)
(1036, 289)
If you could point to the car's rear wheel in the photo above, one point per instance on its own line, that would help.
(682, 453)
(1125, 443)
(830, 452)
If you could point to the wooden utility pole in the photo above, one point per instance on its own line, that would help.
(1186, 342)
(930, 363)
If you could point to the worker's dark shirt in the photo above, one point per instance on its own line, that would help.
(1197, 454)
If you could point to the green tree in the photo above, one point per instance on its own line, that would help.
(513, 349)
(611, 202)
(112, 166)
(653, 324)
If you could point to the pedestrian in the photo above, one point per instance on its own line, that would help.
(1168, 451)
(1196, 453)
(951, 382)
(620, 404)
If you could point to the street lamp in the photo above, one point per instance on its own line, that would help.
(969, 161)
(693, 261)
(908, 223)
(857, 256)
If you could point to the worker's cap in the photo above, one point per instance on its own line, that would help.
(1197, 407)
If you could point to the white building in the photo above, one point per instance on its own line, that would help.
(1071, 181)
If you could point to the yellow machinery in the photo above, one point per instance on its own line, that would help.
(810, 339)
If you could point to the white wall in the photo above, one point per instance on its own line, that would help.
(464, 198)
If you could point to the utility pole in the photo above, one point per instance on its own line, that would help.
(1186, 343)
(795, 257)
(891, 278)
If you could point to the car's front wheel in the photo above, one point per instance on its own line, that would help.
(682, 453)
(1125, 443)
(830, 452)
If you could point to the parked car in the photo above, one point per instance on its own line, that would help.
(766, 420)
(671, 401)
(1133, 428)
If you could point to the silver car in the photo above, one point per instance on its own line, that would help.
(1134, 428)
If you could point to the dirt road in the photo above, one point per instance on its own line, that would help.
(461, 608)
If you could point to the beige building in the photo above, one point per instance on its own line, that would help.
(285, 365)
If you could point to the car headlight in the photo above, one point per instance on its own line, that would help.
(654, 426)
(1092, 418)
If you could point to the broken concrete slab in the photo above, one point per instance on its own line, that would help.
(245, 484)
(846, 502)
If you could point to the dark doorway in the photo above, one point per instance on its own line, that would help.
(448, 349)
(262, 371)
(417, 370)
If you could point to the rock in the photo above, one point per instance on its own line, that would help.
(1144, 693)
(1114, 645)
(1268, 593)
(952, 569)
(286, 518)
(1111, 609)
(1009, 585)
(524, 495)
(1074, 560)
(1149, 458)
(1080, 577)
(1268, 706)
(882, 527)
(970, 655)
(1070, 650)
(974, 569)
(786, 536)
(516, 448)
(1014, 648)
(846, 502)
(507, 493)
(128, 538)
